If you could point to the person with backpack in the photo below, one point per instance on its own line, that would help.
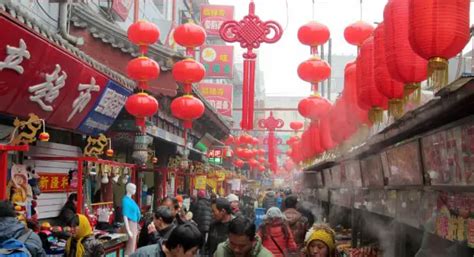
(276, 235)
(82, 243)
(298, 222)
(15, 238)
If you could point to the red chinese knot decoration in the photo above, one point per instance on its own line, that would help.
(271, 124)
(250, 32)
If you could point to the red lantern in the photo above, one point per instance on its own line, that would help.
(439, 30)
(254, 141)
(261, 152)
(389, 87)
(189, 35)
(296, 125)
(143, 33)
(314, 70)
(292, 140)
(314, 107)
(313, 34)
(253, 163)
(229, 140)
(141, 105)
(246, 139)
(261, 159)
(239, 163)
(367, 91)
(355, 113)
(44, 136)
(143, 69)
(325, 134)
(188, 71)
(109, 152)
(187, 108)
(403, 63)
(358, 32)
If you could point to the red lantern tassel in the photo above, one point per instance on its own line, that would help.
(437, 73)
(188, 124)
(245, 97)
(141, 124)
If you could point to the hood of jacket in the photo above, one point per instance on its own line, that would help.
(10, 227)
(292, 215)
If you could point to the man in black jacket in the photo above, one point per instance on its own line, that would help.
(202, 212)
(162, 225)
(219, 230)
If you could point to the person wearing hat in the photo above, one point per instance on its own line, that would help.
(320, 241)
(234, 204)
(276, 235)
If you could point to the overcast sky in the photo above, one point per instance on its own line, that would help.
(279, 61)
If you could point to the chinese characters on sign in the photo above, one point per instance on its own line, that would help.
(212, 17)
(219, 96)
(53, 182)
(15, 57)
(218, 60)
(84, 97)
(215, 156)
(49, 90)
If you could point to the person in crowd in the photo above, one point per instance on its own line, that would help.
(298, 223)
(276, 235)
(303, 208)
(184, 241)
(144, 238)
(269, 200)
(234, 204)
(219, 229)
(242, 242)
(178, 211)
(202, 212)
(12, 228)
(279, 200)
(162, 226)
(82, 243)
(320, 241)
(68, 212)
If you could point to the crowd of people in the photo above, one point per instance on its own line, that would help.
(211, 226)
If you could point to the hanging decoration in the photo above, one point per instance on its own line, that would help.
(438, 31)
(313, 34)
(403, 64)
(142, 69)
(250, 32)
(270, 124)
(358, 32)
(187, 108)
(25, 132)
(110, 151)
(355, 114)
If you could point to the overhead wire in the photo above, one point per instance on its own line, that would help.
(45, 12)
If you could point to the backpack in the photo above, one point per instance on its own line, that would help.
(16, 247)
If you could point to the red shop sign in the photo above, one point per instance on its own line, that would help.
(39, 77)
(53, 182)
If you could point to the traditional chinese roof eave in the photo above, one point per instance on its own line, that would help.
(100, 28)
(14, 11)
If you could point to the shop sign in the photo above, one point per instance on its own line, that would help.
(53, 182)
(201, 182)
(215, 156)
(212, 17)
(105, 110)
(218, 60)
(41, 78)
(219, 96)
(235, 184)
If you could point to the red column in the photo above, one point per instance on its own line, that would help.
(79, 186)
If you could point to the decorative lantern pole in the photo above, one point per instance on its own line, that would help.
(271, 124)
(250, 32)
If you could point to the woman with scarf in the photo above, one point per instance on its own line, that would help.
(276, 235)
(82, 242)
(320, 241)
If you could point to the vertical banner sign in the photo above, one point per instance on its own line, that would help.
(212, 17)
(218, 60)
(219, 96)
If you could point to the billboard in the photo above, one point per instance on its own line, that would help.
(219, 96)
(218, 60)
(212, 17)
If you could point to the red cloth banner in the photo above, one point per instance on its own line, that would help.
(219, 96)
(53, 182)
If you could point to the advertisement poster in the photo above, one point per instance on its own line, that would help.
(218, 60)
(212, 17)
(219, 96)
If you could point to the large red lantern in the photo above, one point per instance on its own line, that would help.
(389, 87)
(143, 69)
(229, 140)
(296, 125)
(313, 34)
(314, 70)
(314, 107)
(355, 114)
(187, 108)
(143, 33)
(189, 35)
(188, 71)
(358, 32)
(439, 30)
(367, 92)
(141, 105)
(238, 163)
(261, 168)
(403, 63)
(325, 134)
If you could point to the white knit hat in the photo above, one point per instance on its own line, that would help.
(273, 213)
(232, 198)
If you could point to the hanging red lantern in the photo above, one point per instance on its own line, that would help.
(246, 139)
(253, 163)
(239, 152)
(389, 87)
(403, 63)
(189, 35)
(229, 140)
(261, 159)
(355, 114)
(292, 140)
(296, 125)
(325, 134)
(187, 108)
(109, 152)
(313, 34)
(143, 33)
(44, 136)
(358, 32)
(254, 141)
(141, 105)
(143, 69)
(439, 30)
(314, 70)
(261, 168)
(239, 163)
(261, 152)
(314, 107)
(367, 91)
(188, 71)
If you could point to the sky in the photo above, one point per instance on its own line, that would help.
(279, 61)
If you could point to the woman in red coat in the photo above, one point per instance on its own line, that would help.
(276, 235)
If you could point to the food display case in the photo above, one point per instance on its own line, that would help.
(404, 165)
(372, 171)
